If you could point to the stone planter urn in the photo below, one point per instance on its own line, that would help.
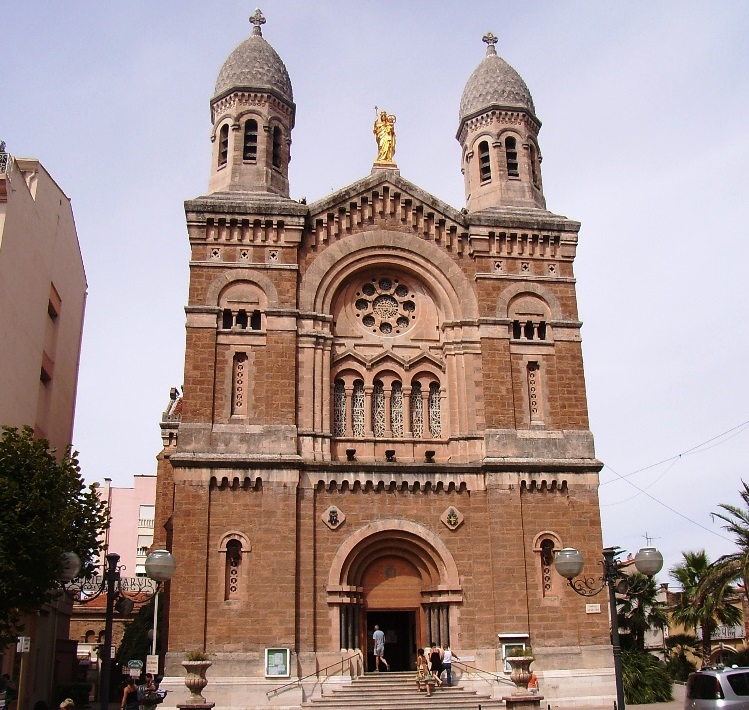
(521, 673)
(196, 680)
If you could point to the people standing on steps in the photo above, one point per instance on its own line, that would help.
(435, 663)
(422, 673)
(379, 648)
(447, 663)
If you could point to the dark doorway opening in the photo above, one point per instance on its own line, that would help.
(400, 638)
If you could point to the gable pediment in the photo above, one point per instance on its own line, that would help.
(385, 199)
(404, 359)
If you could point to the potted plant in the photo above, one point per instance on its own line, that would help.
(520, 660)
(196, 663)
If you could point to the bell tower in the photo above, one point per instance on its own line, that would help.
(498, 131)
(252, 111)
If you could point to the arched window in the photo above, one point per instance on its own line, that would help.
(249, 151)
(484, 162)
(233, 579)
(276, 147)
(435, 423)
(511, 154)
(357, 409)
(378, 409)
(339, 408)
(535, 400)
(223, 145)
(546, 545)
(239, 385)
(396, 409)
(534, 164)
(417, 411)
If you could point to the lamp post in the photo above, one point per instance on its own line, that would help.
(569, 563)
(85, 589)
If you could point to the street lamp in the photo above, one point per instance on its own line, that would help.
(85, 589)
(569, 563)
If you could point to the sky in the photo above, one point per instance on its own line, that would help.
(645, 141)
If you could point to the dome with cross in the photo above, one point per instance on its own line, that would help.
(254, 64)
(494, 83)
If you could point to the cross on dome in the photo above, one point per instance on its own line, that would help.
(257, 19)
(491, 39)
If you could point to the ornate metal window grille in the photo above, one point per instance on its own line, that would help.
(339, 408)
(417, 411)
(435, 422)
(396, 409)
(357, 409)
(378, 409)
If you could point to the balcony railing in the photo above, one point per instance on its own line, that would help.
(145, 523)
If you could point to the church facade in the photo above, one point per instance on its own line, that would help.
(384, 418)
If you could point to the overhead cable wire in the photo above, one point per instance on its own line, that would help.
(694, 450)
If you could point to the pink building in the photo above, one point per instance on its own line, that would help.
(42, 299)
(130, 533)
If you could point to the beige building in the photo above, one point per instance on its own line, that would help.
(384, 419)
(42, 298)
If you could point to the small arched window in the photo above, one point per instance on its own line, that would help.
(484, 162)
(339, 408)
(233, 579)
(223, 145)
(378, 409)
(534, 164)
(435, 415)
(546, 545)
(511, 154)
(357, 408)
(535, 392)
(276, 147)
(239, 385)
(249, 151)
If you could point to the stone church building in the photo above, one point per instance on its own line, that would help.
(384, 417)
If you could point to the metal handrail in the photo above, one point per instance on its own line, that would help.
(316, 673)
(498, 678)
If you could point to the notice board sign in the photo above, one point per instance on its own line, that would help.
(277, 663)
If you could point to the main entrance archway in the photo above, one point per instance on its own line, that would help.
(401, 576)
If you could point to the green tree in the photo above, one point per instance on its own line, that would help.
(45, 510)
(645, 679)
(680, 647)
(705, 598)
(135, 644)
(640, 610)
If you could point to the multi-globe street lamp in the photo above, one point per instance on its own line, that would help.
(569, 563)
(122, 594)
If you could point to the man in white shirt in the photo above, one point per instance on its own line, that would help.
(379, 649)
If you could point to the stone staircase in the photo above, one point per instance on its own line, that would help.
(397, 691)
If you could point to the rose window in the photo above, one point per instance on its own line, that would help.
(385, 306)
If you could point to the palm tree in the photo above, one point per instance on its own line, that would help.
(703, 600)
(680, 648)
(735, 567)
(640, 610)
